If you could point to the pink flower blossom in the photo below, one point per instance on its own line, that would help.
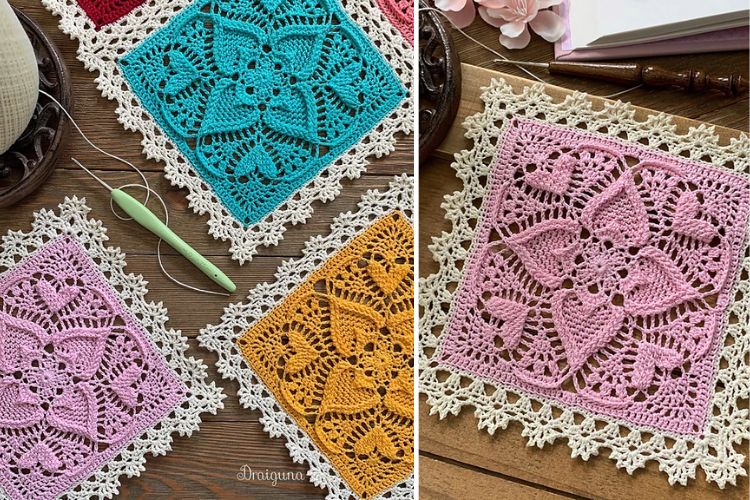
(511, 16)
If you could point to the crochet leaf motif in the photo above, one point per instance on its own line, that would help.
(337, 354)
(598, 277)
(78, 380)
(261, 98)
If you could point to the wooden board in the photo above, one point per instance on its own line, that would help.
(475, 457)
(205, 465)
(717, 109)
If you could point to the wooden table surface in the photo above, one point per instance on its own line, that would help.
(205, 465)
(456, 459)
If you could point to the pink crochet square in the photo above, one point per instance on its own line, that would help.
(599, 276)
(401, 15)
(79, 378)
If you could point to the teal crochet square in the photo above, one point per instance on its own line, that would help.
(261, 95)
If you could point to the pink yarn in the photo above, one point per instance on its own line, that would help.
(401, 14)
(599, 276)
(79, 378)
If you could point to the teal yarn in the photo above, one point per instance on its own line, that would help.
(261, 95)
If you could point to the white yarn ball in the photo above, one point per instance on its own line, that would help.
(19, 78)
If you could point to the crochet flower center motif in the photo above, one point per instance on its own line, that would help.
(261, 97)
(78, 379)
(338, 356)
(599, 276)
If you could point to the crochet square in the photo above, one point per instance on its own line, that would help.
(260, 96)
(401, 14)
(79, 378)
(337, 354)
(599, 276)
(103, 12)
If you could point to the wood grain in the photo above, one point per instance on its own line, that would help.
(480, 457)
(206, 464)
(475, 78)
(718, 109)
(452, 482)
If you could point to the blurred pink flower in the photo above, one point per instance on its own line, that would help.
(511, 16)
(461, 12)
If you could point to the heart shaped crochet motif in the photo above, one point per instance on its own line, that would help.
(348, 391)
(54, 299)
(585, 324)
(19, 407)
(75, 411)
(548, 249)
(513, 315)
(123, 385)
(555, 181)
(376, 439)
(649, 358)
(387, 280)
(618, 213)
(40, 454)
(655, 284)
(686, 221)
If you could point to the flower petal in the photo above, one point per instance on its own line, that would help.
(548, 25)
(512, 30)
(543, 4)
(503, 13)
(464, 17)
(496, 4)
(518, 42)
(451, 5)
(492, 21)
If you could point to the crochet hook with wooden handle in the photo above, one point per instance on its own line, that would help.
(647, 75)
(147, 219)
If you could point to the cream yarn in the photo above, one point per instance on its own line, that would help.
(19, 78)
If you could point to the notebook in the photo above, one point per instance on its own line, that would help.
(675, 33)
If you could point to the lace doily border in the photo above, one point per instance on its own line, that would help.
(545, 421)
(237, 318)
(201, 397)
(100, 50)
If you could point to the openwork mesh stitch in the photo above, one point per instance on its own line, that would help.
(90, 379)
(103, 12)
(262, 95)
(78, 376)
(100, 51)
(580, 385)
(324, 352)
(599, 276)
(401, 14)
(338, 356)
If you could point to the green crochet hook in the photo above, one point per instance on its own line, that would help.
(147, 219)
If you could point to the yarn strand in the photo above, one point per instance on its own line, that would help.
(145, 186)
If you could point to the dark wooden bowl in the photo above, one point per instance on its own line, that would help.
(439, 82)
(32, 158)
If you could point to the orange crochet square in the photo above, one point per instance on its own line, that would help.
(338, 356)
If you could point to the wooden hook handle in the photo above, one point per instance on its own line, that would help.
(653, 76)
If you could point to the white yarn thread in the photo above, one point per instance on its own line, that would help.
(145, 186)
(503, 58)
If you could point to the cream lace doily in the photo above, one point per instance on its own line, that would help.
(100, 50)
(202, 396)
(717, 449)
(239, 317)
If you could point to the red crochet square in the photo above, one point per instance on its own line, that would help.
(103, 12)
